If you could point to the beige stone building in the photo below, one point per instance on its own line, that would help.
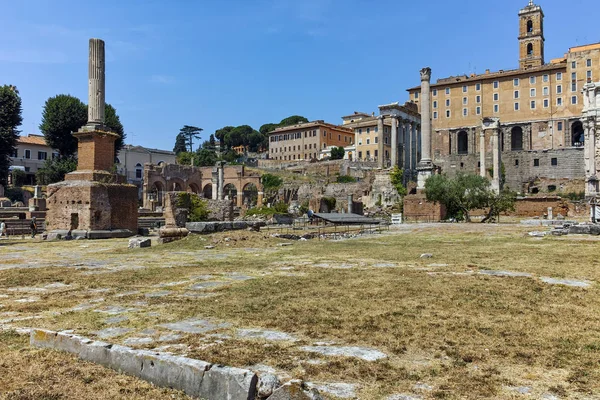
(374, 138)
(306, 141)
(131, 160)
(31, 154)
(539, 106)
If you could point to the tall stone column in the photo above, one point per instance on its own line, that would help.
(96, 84)
(425, 167)
(380, 148)
(394, 135)
(482, 153)
(220, 180)
(493, 124)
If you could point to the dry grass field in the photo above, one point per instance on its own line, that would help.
(493, 313)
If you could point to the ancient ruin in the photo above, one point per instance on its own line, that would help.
(91, 201)
(591, 125)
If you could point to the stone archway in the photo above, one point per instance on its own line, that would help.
(230, 191)
(157, 193)
(250, 195)
(207, 192)
(463, 142)
(516, 138)
(193, 188)
(577, 134)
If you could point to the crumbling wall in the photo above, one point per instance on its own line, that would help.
(382, 193)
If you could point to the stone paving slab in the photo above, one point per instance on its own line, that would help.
(265, 334)
(195, 326)
(363, 353)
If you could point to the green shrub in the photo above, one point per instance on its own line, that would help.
(14, 194)
(271, 182)
(197, 208)
(345, 179)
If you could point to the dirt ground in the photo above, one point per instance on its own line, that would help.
(488, 312)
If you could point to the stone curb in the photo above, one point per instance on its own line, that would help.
(194, 377)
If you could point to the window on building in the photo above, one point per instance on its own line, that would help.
(573, 64)
(360, 131)
(385, 129)
(447, 102)
(15, 154)
(529, 26)
(27, 154)
(465, 89)
(516, 106)
(447, 113)
(435, 115)
(376, 153)
(516, 82)
(496, 108)
(532, 105)
(385, 140)
(554, 162)
(360, 155)
(138, 171)
(478, 110)
(42, 155)
(532, 93)
(529, 49)
(463, 142)
(573, 76)
(465, 112)
(447, 90)
(559, 126)
(516, 94)
(546, 90)
(434, 91)
(558, 89)
(516, 163)
(478, 86)
(368, 130)
(573, 87)
(465, 100)
(588, 62)
(368, 140)
(496, 84)
(435, 104)
(545, 78)
(589, 76)
(536, 162)
(546, 103)
(573, 99)
(416, 95)
(324, 133)
(478, 99)
(532, 80)
(516, 138)
(376, 139)
(559, 76)
(496, 96)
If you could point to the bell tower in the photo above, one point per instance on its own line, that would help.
(531, 36)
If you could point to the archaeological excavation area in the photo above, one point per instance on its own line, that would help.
(422, 311)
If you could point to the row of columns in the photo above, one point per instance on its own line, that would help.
(405, 136)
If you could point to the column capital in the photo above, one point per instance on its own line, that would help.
(426, 74)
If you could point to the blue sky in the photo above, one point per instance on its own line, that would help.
(232, 62)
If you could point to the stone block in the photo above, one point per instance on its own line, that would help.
(584, 229)
(139, 243)
(221, 382)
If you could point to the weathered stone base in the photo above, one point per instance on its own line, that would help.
(196, 378)
(418, 209)
(210, 227)
(58, 234)
(92, 206)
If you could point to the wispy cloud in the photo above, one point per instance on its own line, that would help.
(162, 79)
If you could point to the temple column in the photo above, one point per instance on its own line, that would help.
(96, 83)
(482, 153)
(394, 137)
(380, 148)
(259, 200)
(496, 161)
(425, 167)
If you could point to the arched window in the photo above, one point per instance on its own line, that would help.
(577, 134)
(530, 49)
(463, 142)
(138, 171)
(529, 26)
(516, 138)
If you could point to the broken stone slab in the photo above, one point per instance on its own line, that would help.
(169, 337)
(116, 320)
(161, 293)
(426, 255)
(265, 334)
(294, 390)
(584, 229)
(138, 341)
(363, 353)
(341, 390)
(208, 285)
(505, 273)
(111, 332)
(404, 396)
(136, 243)
(115, 310)
(195, 326)
(566, 282)
(537, 234)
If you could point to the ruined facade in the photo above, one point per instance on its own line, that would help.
(217, 183)
(539, 106)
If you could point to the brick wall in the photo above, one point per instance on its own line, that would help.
(418, 209)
